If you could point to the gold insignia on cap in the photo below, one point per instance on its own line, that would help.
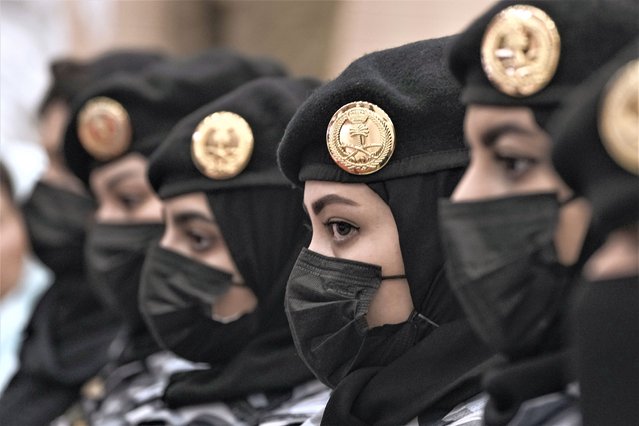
(360, 138)
(520, 50)
(104, 128)
(619, 117)
(222, 145)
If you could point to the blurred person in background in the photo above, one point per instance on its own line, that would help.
(113, 129)
(21, 281)
(213, 288)
(514, 232)
(596, 152)
(369, 305)
(68, 335)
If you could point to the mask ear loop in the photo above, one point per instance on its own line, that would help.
(393, 277)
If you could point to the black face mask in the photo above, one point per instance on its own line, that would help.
(56, 221)
(114, 259)
(326, 303)
(177, 295)
(503, 267)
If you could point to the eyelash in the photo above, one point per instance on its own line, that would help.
(130, 201)
(197, 238)
(513, 164)
(331, 227)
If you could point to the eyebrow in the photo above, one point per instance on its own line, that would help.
(491, 136)
(184, 217)
(119, 177)
(326, 200)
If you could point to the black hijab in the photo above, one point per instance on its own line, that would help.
(412, 86)
(68, 335)
(261, 218)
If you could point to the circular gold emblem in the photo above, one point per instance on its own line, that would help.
(619, 117)
(520, 50)
(222, 145)
(360, 138)
(104, 128)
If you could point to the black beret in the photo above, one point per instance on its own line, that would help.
(590, 32)
(412, 85)
(266, 104)
(70, 77)
(592, 153)
(156, 98)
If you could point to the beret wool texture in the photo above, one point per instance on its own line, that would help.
(591, 31)
(159, 96)
(412, 85)
(580, 157)
(267, 105)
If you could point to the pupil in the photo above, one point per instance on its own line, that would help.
(343, 228)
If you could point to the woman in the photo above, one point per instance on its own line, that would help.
(368, 301)
(113, 130)
(596, 153)
(69, 332)
(22, 280)
(513, 230)
(213, 289)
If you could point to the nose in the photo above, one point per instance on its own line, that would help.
(469, 187)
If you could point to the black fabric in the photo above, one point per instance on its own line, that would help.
(163, 94)
(56, 221)
(177, 296)
(326, 301)
(33, 400)
(511, 384)
(69, 332)
(71, 76)
(266, 104)
(503, 267)
(611, 24)
(262, 225)
(411, 84)
(114, 256)
(581, 159)
(606, 327)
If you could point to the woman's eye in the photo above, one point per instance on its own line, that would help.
(515, 166)
(131, 202)
(341, 230)
(200, 242)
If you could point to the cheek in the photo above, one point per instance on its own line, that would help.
(13, 248)
(149, 211)
(574, 219)
(481, 180)
(220, 258)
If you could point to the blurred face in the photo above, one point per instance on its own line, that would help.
(350, 221)
(191, 230)
(13, 244)
(511, 155)
(51, 126)
(123, 193)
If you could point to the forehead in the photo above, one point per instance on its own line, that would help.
(133, 164)
(483, 117)
(315, 189)
(194, 202)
